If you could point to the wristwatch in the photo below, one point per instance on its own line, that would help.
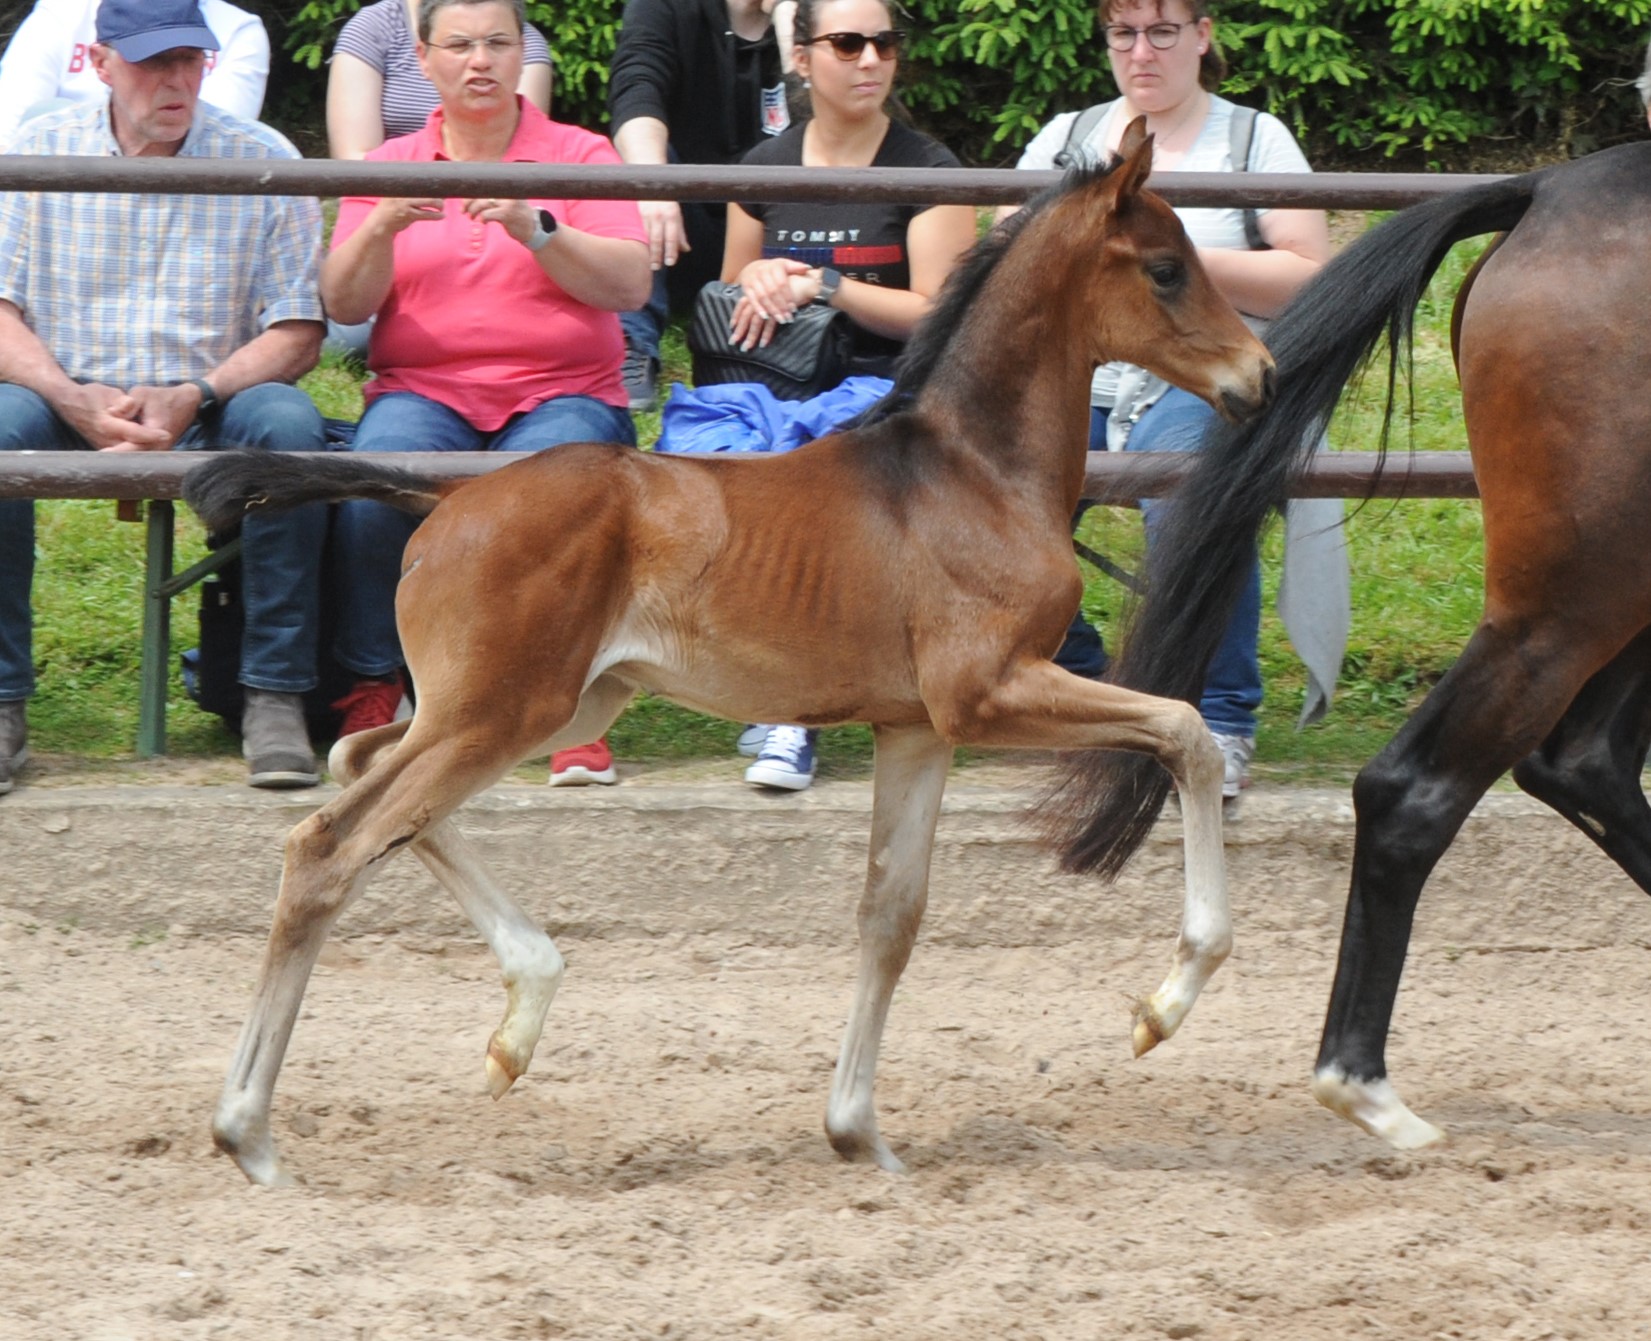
(544, 232)
(830, 282)
(209, 397)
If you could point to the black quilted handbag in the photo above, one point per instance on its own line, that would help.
(808, 355)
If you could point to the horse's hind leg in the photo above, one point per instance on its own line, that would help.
(529, 961)
(1588, 769)
(1499, 700)
(327, 857)
(909, 780)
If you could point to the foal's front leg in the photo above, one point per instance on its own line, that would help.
(909, 780)
(1041, 706)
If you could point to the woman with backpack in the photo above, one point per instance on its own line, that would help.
(1168, 68)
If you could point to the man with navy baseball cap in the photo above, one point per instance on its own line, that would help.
(143, 322)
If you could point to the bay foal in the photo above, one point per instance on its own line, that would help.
(916, 574)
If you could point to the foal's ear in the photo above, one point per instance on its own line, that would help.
(1135, 155)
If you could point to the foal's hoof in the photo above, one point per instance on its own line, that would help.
(859, 1149)
(1149, 1030)
(254, 1155)
(501, 1073)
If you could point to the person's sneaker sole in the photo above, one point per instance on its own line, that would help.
(283, 776)
(9, 780)
(752, 739)
(580, 776)
(770, 775)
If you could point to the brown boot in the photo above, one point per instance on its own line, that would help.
(14, 742)
(275, 740)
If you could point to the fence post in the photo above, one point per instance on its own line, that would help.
(157, 632)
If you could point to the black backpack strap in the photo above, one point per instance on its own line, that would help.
(1082, 127)
(1240, 131)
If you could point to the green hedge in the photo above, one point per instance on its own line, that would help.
(1362, 81)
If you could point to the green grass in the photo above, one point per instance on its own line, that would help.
(1417, 569)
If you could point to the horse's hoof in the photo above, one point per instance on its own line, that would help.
(500, 1076)
(1374, 1106)
(859, 1149)
(1149, 1030)
(255, 1158)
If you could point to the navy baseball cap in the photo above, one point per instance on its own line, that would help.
(139, 29)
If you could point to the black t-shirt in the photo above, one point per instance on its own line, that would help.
(865, 240)
(759, 88)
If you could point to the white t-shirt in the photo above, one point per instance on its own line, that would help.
(49, 61)
(1272, 149)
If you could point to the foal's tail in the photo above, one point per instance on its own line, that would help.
(1104, 803)
(228, 485)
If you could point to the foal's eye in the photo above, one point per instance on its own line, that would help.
(1166, 274)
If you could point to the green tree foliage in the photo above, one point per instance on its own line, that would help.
(1360, 80)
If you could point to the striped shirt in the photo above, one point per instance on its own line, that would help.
(153, 290)
(380, 35)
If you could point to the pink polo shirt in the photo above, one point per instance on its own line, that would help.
(471, 320)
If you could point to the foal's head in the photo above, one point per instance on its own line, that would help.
(1140, 280)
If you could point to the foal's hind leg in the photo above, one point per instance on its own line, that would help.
(529, 961)
(327, 857)
(909, 781)
(1499, 700)
(1589, 767)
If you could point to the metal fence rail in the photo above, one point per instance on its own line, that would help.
(932, 186)
(1110, 477)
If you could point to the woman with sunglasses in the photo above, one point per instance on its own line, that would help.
(882, 264)
(1168, 67)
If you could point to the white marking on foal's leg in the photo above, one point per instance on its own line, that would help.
(531, 964)
(909, 778)
(1206, 920)
(1375, 1106)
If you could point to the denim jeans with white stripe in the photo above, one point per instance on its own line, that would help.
(281, 555)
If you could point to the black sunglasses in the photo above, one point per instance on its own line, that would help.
(848, 46)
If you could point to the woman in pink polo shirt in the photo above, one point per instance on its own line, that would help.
(496, 325)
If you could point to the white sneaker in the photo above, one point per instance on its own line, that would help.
(786, 761)
(752, 739)
(1236, 753)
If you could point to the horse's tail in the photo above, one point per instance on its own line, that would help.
(1104, 803)
(227, 485)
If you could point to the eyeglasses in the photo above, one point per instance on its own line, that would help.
(1162, 36)
(848, 46)
(463, 46)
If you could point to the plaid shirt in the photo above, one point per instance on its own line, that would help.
(146, 290)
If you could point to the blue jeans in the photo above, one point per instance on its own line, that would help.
(372, 536)
(281, 554)
(1232, 688)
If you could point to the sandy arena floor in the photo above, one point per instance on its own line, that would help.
(661, 1172)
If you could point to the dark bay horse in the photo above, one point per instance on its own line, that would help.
(1552, 336)
(916, 573)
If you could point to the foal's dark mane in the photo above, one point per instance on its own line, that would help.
(935, 333)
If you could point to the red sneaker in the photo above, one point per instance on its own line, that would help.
(370, 703)
(582, 765)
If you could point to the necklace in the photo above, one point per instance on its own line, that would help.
(1163, 137)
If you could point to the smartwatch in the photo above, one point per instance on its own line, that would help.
(209, 397)
(544, 232)
(830, 282)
